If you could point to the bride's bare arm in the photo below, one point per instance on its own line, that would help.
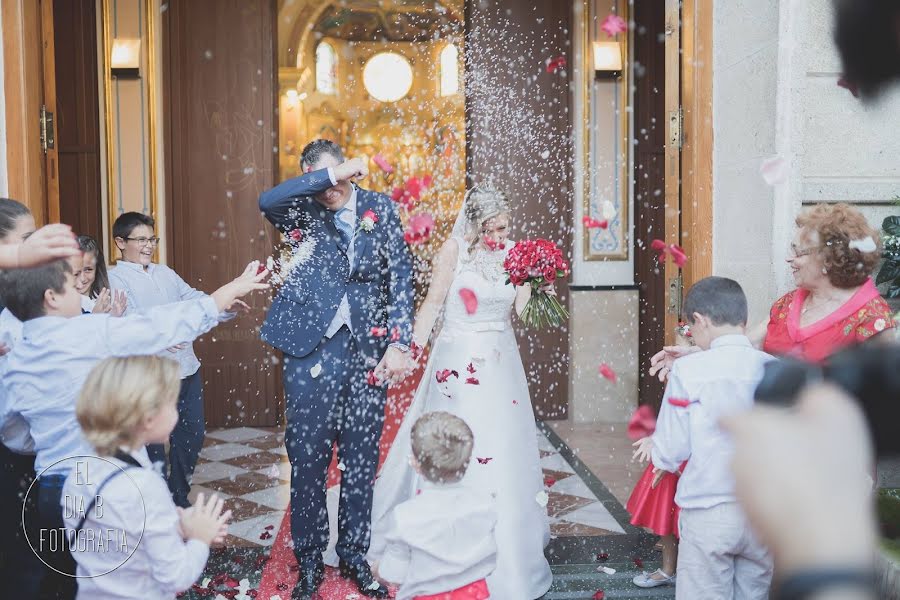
(443, 268)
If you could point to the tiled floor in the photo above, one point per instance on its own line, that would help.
(605, 450)
(249, 468)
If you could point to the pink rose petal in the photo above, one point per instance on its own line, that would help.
(607, 372)
(382, 163)
(613, 25)
(642, 423)
(470, 300)
(774, 170)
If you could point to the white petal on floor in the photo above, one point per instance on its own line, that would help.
(594, 515)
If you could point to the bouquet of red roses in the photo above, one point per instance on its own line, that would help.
(538, 263)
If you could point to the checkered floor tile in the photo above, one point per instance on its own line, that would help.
(249, 468)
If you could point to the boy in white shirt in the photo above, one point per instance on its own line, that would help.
(718, 555)
(128, 538)
(441, 543)
(46, 369)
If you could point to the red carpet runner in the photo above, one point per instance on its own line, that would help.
(280, 571)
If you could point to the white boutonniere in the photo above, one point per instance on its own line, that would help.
(368, 220)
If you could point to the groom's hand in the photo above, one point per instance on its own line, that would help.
(394, 366)
(351, 169)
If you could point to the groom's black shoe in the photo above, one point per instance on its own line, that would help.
(359, 573)
(312, 572)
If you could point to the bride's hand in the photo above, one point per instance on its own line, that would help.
(642, 449)
(661, 362)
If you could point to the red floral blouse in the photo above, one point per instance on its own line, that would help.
(862, 316)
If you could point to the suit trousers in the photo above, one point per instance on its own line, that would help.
(185, 442)
(328, 400)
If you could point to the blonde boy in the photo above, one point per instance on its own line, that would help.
(441, 541)
(127, 536)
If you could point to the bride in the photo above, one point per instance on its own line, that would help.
(475, 372)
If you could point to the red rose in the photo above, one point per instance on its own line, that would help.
(296, 235)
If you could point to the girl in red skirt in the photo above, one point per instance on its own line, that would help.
(652, 505)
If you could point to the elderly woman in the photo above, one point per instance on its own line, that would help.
(836, 304)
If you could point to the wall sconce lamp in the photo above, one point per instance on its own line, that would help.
(607, 60)
(125, 58)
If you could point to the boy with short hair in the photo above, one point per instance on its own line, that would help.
(46, 369)
(148, 284)
(441, 543)
(718, 556)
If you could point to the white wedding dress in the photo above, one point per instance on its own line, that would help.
(505, 460)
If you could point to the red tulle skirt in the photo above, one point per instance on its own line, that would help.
(655, 508)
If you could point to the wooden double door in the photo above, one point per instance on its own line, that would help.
(221, 151)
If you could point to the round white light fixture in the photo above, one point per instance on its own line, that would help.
(387, 76)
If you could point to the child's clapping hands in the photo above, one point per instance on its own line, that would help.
(205, 520)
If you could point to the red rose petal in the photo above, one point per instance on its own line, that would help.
(444, 374)
(383, 164)
(372, 379)
(642, 423)
(419, 229)
(472, 381)
(549, 481)
(395, 334)
(260, 268)
(598, 595)
(470, 300)
(484, 461)
(265, 535)
(378, 331)
(515, 402)
(678, 255)
(471, 368)
(603, 556)
(638, 562)
(591, 223)
(269, 527)
(680, 402)
(607, 372)
(554, 65)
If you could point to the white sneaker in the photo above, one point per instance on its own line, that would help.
(647, 580)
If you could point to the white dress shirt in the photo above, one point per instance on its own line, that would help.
(14, 433)
(87, 303)
(157, 285)
(137, 515)
(702, 388)
(342, 316)
(48, 367)
(440, 540)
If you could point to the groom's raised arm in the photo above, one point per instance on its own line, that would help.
(277, 202)
(400, 283)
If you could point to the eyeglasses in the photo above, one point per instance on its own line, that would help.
(798, 252)
(142, 241)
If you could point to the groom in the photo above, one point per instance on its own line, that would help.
(342, 319)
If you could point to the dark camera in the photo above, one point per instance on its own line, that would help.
(870, 373)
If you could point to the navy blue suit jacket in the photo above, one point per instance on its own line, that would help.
(378, 285)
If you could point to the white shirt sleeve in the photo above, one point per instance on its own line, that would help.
(159, 327)
(331, 176)
(672, 438)
(174, 564)
(119, 284)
